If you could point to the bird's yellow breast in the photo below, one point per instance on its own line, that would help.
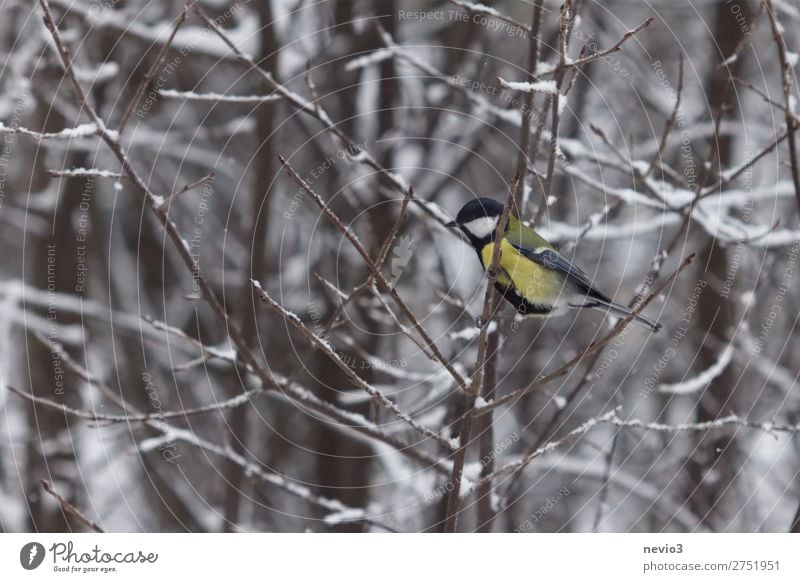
(535, 283)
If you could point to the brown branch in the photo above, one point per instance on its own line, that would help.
(670, 122)
(302, 397)
(616, 47)
(474, 389)
(487, 385)
(728, 177)
(190, 186)
(485, 427)
(765, 97)
(791, 120)
(71, 509)
(525, 133)
(567, 18)
(137, 96)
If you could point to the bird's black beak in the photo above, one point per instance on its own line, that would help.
(451, 224)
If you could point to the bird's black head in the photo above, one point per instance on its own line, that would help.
(478, 220)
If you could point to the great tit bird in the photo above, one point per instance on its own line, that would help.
(532, 275)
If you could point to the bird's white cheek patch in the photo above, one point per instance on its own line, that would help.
(481, 227)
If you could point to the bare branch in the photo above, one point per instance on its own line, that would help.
(69, 508)
(786, 77)
(616, 47)
(140, 90)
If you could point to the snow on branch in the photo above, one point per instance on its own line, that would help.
(612, 418)
(548, 87)
(724, 422)
(482, 9)
(83, 130)
(477, 8)
(217, 97)
(552, 445)
(373, 58)
(700, 381)
(85, 172)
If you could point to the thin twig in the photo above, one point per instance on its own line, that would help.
(190, 186)
(613, 419)
(616, 47)
(567, 18)
(142, 87)
(525, 132)
(786, 77)
(578, 431)
(69, 508)
(670, 122)
(85, 173)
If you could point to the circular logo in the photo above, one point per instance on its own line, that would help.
(31, 555)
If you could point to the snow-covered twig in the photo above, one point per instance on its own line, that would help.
(85, 172)
(217, 97)
(556, 99)
(613, 418)
(724, 422)
(576, 432)
(548, 87)
(697, 383)
(83, 130)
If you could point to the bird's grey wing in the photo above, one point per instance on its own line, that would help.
(550, 259)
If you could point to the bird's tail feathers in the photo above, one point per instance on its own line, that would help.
(622, 311)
